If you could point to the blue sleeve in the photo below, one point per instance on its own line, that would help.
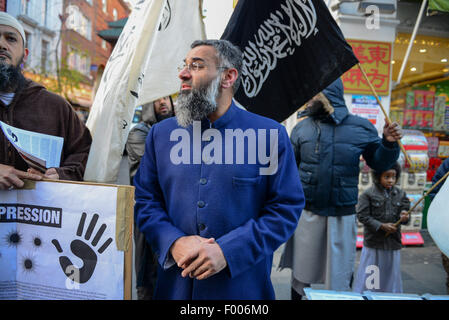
(149, 210)
(380, 154)
(252, 242)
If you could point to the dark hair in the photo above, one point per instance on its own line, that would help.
(376, 174)
(228, 56)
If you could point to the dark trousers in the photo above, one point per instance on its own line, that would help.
(146, 266)
(446, 267)
(295, 295)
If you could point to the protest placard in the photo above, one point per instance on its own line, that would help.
(66, 240)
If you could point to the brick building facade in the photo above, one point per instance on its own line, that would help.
(82, 48)
(3, 5)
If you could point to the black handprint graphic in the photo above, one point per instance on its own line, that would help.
(83, 250)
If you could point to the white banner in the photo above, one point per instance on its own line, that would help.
(438, 218)
(57, 241)
(180, 25)
(158, 30)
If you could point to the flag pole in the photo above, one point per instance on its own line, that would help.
(412, 39)
(421, 199)
(387, 119)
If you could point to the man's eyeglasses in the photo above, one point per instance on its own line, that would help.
(195, 66)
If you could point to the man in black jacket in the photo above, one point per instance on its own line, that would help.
(328, 145)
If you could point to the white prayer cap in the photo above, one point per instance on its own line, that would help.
(8, 20)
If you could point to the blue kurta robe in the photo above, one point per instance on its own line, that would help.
(249, 214)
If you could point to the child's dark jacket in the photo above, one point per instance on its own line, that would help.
(375, 208)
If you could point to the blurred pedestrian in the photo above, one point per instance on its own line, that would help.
(145, 260)
(152, 113)
(378, 209)
(328, 145)
(27, 105)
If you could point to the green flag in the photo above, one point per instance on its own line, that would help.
(438, 5)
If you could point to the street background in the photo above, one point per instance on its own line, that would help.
(421, 267)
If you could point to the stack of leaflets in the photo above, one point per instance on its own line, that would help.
(40, 151)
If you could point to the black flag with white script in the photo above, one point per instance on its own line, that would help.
(292, 50)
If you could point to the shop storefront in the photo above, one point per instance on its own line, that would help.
(420, 103)
(421, 100)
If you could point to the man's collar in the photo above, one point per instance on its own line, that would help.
(226, 117)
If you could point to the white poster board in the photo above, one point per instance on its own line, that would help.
(58, 241)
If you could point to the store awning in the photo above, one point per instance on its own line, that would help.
(112, 34)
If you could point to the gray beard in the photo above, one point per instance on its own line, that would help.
(197, 104)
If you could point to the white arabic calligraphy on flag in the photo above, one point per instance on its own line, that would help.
(276, 38)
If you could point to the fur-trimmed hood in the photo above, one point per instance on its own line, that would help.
(334, 94)
(333, 108)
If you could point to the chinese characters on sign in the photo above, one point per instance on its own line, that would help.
(375, 59)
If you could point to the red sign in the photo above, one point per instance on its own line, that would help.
(375, 59)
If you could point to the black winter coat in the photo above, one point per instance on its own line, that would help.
(328, 156)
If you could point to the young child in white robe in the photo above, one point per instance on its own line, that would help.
(378, 209)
